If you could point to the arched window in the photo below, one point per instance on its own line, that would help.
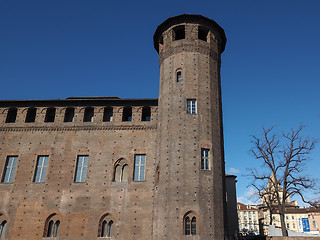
(124, 176)
(187, 226)
(51, 227)
(194, 226)
(121, 171)
(106, 226)
(104, 229)
(179, 76)
(190, 223)
(3, 227)
(109, 229)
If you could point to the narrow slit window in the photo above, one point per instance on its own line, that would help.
(12, 115)
(88, 114)
(179, 33)
(108, 114)
(146, 114)
(127, 114)
(69, 115)
(160, 43)
(42, 164)
(31, 115)
(179, 76)
(10, 168)
(50, 115)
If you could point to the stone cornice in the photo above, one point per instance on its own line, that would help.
(188, 48)
(76, 128)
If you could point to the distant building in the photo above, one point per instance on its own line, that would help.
(248, 217)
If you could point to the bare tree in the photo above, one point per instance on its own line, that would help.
(283, 159)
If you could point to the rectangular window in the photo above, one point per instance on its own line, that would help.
(41, 169)
(139, 167)
(12, 115)
(314, 224)
(88, 114)
(31, 115)
(69, 115)
(108, 114)
(127, 114)
(191, 106)
(10, 169)
(81, 171)
(179, 76)
(204, 159)
(50, 115)
(146, 114)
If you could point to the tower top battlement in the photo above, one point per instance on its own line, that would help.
(189, 18)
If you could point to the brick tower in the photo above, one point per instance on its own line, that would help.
(189, 181)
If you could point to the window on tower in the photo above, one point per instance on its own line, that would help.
(190, 224)
(139, 167)
(3, 227)
(191, 106)
(179, 76)
(204, 159)
(178, 33)
(203, 34)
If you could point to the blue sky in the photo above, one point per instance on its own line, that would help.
(270, 68)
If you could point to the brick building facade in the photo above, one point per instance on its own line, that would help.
(105, 167)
